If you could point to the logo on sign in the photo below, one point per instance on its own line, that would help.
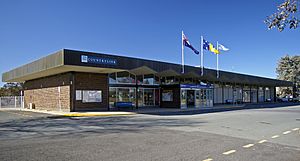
(97, 60)
(84, 58)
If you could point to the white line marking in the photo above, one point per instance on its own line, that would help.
(286, 132)
(275, 136)
(208, 159)
(248, 146)
(229, 152)
(295, 129)
(262, 141)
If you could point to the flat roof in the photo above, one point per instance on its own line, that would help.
(67, 60)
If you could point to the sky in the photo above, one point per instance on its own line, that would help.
(149, 29)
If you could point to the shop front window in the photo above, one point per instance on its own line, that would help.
(126, 95)
(125, 77)
(112, 97)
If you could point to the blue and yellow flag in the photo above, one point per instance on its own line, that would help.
(209, 46)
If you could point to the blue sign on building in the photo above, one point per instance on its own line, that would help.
(98, 60)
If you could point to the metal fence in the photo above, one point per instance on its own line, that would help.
(12, 102)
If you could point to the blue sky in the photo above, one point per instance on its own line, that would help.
(148, 29)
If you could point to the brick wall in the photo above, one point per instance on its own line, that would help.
(176, 96)
(44, 92)
(92, 81)
(49, 98)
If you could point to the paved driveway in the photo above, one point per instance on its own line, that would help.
(256, 134)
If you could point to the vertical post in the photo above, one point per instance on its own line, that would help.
(15, 101)
(59, 103)
(217, 61)
(22, 100)
(182, 52)
(201, 56)
(0, 102)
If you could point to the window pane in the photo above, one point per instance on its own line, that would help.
(112, 78)
(91, 96)
(125, 77)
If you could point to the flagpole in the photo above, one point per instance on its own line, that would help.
(182, 53)
(201, 56)
(217, 60)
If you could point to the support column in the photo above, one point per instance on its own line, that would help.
(222, 93)
(72, 92)
(257, 94)
(275, 96)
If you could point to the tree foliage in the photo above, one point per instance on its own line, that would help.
(289, 69)
(11, 89)
(285, 15)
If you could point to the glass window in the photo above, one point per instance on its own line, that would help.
(112, 97)
(125, 77)
(112, 78)
(126, 95)
(139, 79)
(167, 95)
(78, 95)
(156, 80)
(91, 96)
(171, 80)
(148, 79)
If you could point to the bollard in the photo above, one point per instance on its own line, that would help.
(15, 101)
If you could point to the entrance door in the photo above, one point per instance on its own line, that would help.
(191, 98)
(149, 97)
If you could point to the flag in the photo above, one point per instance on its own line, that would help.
(209, 46)
(188, 44)
(205, 45)
(213, 49)
(222, 47)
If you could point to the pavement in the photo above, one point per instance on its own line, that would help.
(260, 134)
(160, 111)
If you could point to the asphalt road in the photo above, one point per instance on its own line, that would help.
(269, 134)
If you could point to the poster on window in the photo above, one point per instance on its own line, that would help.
(167, 95)
(78, 95)
(91, 96)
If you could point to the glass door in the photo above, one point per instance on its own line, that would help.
(149, 97)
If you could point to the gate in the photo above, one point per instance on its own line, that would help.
(12, 102)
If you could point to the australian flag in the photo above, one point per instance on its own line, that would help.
(205, 45)
(188, 44)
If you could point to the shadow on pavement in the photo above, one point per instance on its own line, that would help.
(215, 109)
(85, 126)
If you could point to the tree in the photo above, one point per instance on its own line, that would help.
(285, 15)
(289, 69)
(11, 89)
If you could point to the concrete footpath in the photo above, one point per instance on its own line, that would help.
(161, 111)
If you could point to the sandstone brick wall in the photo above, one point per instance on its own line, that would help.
(44, 92)
(49, 98)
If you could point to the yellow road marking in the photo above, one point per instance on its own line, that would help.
(286, 132)
(208, 159)
(248, 145)
(295, 129)
(229, 152)
(275, 136)
(262, 141)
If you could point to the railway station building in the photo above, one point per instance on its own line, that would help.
(70, 80)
